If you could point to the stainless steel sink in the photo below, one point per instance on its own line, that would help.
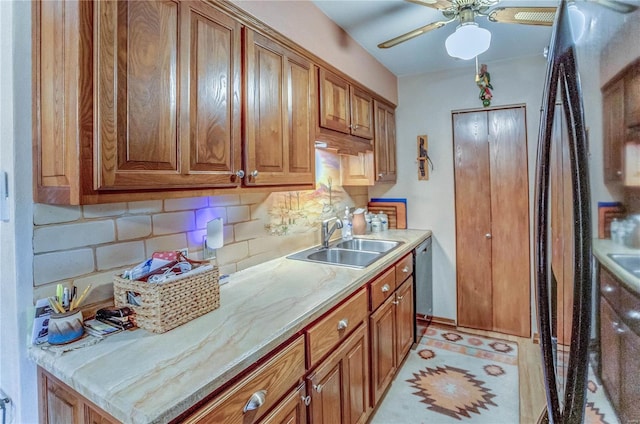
(356, 253)
(630, 263)
(368, 245)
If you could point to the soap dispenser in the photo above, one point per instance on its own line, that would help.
(347, 225)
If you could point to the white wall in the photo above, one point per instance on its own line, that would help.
(425, 105)
(17, 373)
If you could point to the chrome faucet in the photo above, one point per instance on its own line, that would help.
(326, 232)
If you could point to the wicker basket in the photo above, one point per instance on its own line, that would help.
(169, 305)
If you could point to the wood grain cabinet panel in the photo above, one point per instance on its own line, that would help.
(384, 142)
(361, 113)
(404, 319)
(137, 93)
(280, 115)
(613, 131)
(632, 96)
(357, 170)
(335, 112)
(59, 404)
(271, 381)
(292, 410)
(339, 387)
(383, 348)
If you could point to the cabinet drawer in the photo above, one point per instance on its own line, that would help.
(336, 326)
(404, 268)
(383, 287)
(609, 287)
(276, 377)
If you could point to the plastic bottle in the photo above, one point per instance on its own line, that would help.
(615, 227)
(384, 220)
(367, 217)
(376, 224)
(347, 225)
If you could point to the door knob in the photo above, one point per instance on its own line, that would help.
(488, 235)
(240, 174)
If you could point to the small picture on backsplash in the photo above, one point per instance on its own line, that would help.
(298, 212)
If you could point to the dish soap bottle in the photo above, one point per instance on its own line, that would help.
(347, 225)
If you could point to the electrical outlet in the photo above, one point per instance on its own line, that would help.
(184, 251)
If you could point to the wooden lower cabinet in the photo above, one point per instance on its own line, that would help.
(391, 337)
(292, 410)
(620, 346)
(339, 387)
(60, 404)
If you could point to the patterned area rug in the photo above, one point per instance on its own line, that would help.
(453, 377)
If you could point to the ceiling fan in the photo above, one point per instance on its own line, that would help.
(469, 39)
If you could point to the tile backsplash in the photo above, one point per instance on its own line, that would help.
(84, 245)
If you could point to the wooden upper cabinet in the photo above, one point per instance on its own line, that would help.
(211, 120)
(280, 110)
(361, 113)
(613, 131)
(161, 64)
(632, 99)
(335, 112)
(385, 142)
(343, 107)
(137, 94)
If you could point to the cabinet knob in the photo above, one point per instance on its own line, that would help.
(255, 401)
(306, 400)
(488, 235)
(619, 173)
(317, 387)
(240, 174)
(381, 175)
(400, 298)
(617, 328)
(254, 173)
(342, 324)
(355, 127)
(405, 269)
(385, 288)
(395, 302)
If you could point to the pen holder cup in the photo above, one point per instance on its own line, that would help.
(65, 327)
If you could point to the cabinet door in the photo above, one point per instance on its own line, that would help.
(357, 170)
(361, 113)
(292, 410)
(340, 385)
(383, 347)
(610, 351)
(404, 319)
(58, 404)
(210, 131)
(632, 96)
(280, 115)
(137, 94)
(385, 142)
(613, 131)
(629, 375)
(334, 102)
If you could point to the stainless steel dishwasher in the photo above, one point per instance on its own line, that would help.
(423, 279)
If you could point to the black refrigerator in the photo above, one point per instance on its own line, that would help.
(565, 384)
(566, 364)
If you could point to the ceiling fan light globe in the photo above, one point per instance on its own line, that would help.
(468, 41)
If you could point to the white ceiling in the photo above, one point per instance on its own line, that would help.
(371, 22)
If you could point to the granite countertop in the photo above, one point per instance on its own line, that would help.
(141, 377)
(602, 248)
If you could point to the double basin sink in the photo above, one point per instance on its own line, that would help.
(355, 253)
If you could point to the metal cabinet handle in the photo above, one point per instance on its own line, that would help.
(619, 173)
(488, 235)
(399, 298)
(395, 302)
(381, 175)
(355, 127)
(255, 401)
(254, 173)
(617, 329)
(240, 174)
(342, 324)
(306, 400)
(405, 269)
(385, 288)
(317, 387)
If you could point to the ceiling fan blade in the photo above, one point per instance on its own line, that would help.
(618, 6)
(524, 15)
(412, 34)
(435, 4)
